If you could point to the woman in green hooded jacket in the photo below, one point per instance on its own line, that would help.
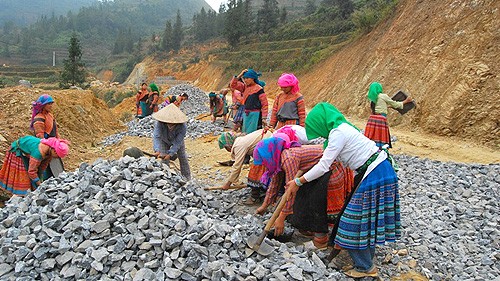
(377, 128)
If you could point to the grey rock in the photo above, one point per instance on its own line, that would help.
(172, 273)
(5, 268)
(295, 272)
(145, 274)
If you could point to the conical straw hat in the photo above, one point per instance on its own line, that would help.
(170, 114)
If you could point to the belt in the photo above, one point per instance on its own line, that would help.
(370, 160)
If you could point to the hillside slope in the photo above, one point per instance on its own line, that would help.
(444, 53)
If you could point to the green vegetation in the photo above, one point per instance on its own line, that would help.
(73, 73)
(267, 40)
(261, 34)
(112, 97)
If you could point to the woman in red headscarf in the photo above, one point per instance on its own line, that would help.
(25, 162)
(289, 107)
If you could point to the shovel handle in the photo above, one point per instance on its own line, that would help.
(280, 206)
(275, 215)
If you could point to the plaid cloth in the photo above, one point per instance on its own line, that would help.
(377, 130)
(254, 176)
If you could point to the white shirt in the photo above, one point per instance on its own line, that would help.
(347, 145)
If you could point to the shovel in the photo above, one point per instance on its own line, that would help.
(255, 243)
(238, 186)
(56, 166)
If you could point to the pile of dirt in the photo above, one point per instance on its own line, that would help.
(82, 118)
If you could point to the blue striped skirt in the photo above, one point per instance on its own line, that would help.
(238, 115)
(372, 216)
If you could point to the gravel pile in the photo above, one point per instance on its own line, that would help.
(451, 216)
(193, 107)
(197, 102)
(134, 219)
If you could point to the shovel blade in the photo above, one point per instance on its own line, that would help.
(263, 249)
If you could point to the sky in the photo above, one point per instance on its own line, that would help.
(215, 4)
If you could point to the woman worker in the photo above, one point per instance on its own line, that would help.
(141, 101)
(168, 137)
(26, 160)
(321, 201)
(254, 99)
(288, 107)
(372, 214)
(377, 128)
(240, 147)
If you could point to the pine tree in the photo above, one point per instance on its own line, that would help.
(268, 16)
(233, 27)
(74, 71)
(166, 43)
(177, 34)
(283, 16)
(310, 7)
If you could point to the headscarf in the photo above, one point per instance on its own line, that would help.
(374, 91)
(212, 95)
(38, 106)
(268, 153)
(154, 88)
(250, 73)
(322, 119)
(60, 145)
(287, 80)
(287, 130)
(227, 138)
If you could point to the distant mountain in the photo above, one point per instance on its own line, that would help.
(26, 12)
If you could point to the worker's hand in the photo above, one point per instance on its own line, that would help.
(292, 186)
(407, 100)
(261, 210)
(166, 157)
(242, 72)
(264, 125)
(279, 225)
(156, 154)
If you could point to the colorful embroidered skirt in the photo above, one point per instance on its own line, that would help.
(372, 216)
(238, 114)
(14, 176)
(377, 130)
(254, 176)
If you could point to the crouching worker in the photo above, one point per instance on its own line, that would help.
(26, 161)
(241, 147)
(316, 204)
(168, 137)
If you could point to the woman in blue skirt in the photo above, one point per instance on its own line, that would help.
(371, 216)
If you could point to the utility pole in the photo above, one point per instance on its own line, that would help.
(54, 58)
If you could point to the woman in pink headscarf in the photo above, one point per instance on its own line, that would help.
(25, 163)
(289, 107)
